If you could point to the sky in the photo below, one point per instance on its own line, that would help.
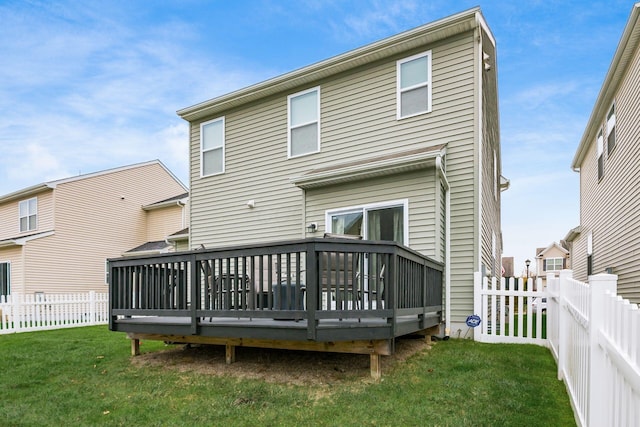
(90, 85)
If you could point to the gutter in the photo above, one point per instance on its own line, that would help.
(164, 205)
(447, 244)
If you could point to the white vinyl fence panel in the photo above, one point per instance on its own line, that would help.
(505, 310)
(25, 313)
(594, 335)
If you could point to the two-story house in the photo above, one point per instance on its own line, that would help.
(608, 159)
(56, 236)
(397, 140)
(552, 259)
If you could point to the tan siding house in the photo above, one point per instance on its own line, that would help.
(608, 159)
(397, 140)
(73, 225)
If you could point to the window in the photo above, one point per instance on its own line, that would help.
(304, 122)
(212, 147)
(414, 85)
(599, 151)
(5, 278)
(384, 221)
(28, 214)
(611, 130)
(553, 264)
(589, 254)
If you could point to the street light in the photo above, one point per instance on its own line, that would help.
(527, 263)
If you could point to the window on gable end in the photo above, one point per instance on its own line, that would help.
(28, 214)
(212, 147)
(599, 152)
(304, 122)
(611, 130)
(414, 85)
(553, 264)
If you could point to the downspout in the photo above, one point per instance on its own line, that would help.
(447, 245)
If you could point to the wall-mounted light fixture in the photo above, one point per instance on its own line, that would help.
(313, 227)
(251, 204)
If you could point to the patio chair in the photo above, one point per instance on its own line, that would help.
(339, 275)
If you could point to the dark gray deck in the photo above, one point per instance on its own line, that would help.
(289, 294)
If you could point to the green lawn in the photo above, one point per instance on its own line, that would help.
(84, 377)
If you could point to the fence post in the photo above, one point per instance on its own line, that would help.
(599, 284)
(93, 315)
(563, 278)
(477, 301)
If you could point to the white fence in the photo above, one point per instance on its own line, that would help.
(24, 313)
(506, 312)
(594, 336)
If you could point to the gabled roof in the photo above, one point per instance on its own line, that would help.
(38, 188)
(621, 59)
(179, 235)
(159, 246)
(540, 252)
(180, 199)
(425, 34)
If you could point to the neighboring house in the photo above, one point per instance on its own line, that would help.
(552, 259)
(507, 266)
(397, 140)
(608, 159)
(56, 236)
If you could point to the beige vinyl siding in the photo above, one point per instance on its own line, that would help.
(418, 187)
(490, 219)
(163, 222)
(358, 121)
(10, 215)
(609, 207)
(182, 245)
(13, 255)
(93, 223)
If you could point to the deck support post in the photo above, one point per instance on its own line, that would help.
(230, 353)
(376, 368)
(135, 347)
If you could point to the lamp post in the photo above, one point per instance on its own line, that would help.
(527, 263)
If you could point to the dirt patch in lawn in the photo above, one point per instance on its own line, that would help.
(304, 368)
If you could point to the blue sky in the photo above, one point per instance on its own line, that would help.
(91, 85)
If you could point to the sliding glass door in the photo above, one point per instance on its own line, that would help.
(372, 222)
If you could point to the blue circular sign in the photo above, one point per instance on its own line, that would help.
(473, 321)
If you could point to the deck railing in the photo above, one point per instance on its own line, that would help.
(312, 279)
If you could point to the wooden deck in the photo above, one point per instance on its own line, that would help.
(314, 294)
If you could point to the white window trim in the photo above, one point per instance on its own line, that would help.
(600, 143)
(371, 206)
(611, 124)
(20, 217)
(224, 144)
(428, 84)
(9, 273)
(289, 128)
(544, 263)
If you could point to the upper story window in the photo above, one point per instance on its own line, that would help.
(414, 85)
(212, 147)
(599, 151)
(304, 122)
(553, 264)
(28, 214)
(611, 130)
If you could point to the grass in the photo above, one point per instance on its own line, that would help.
(534, 325)
(84, 377)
